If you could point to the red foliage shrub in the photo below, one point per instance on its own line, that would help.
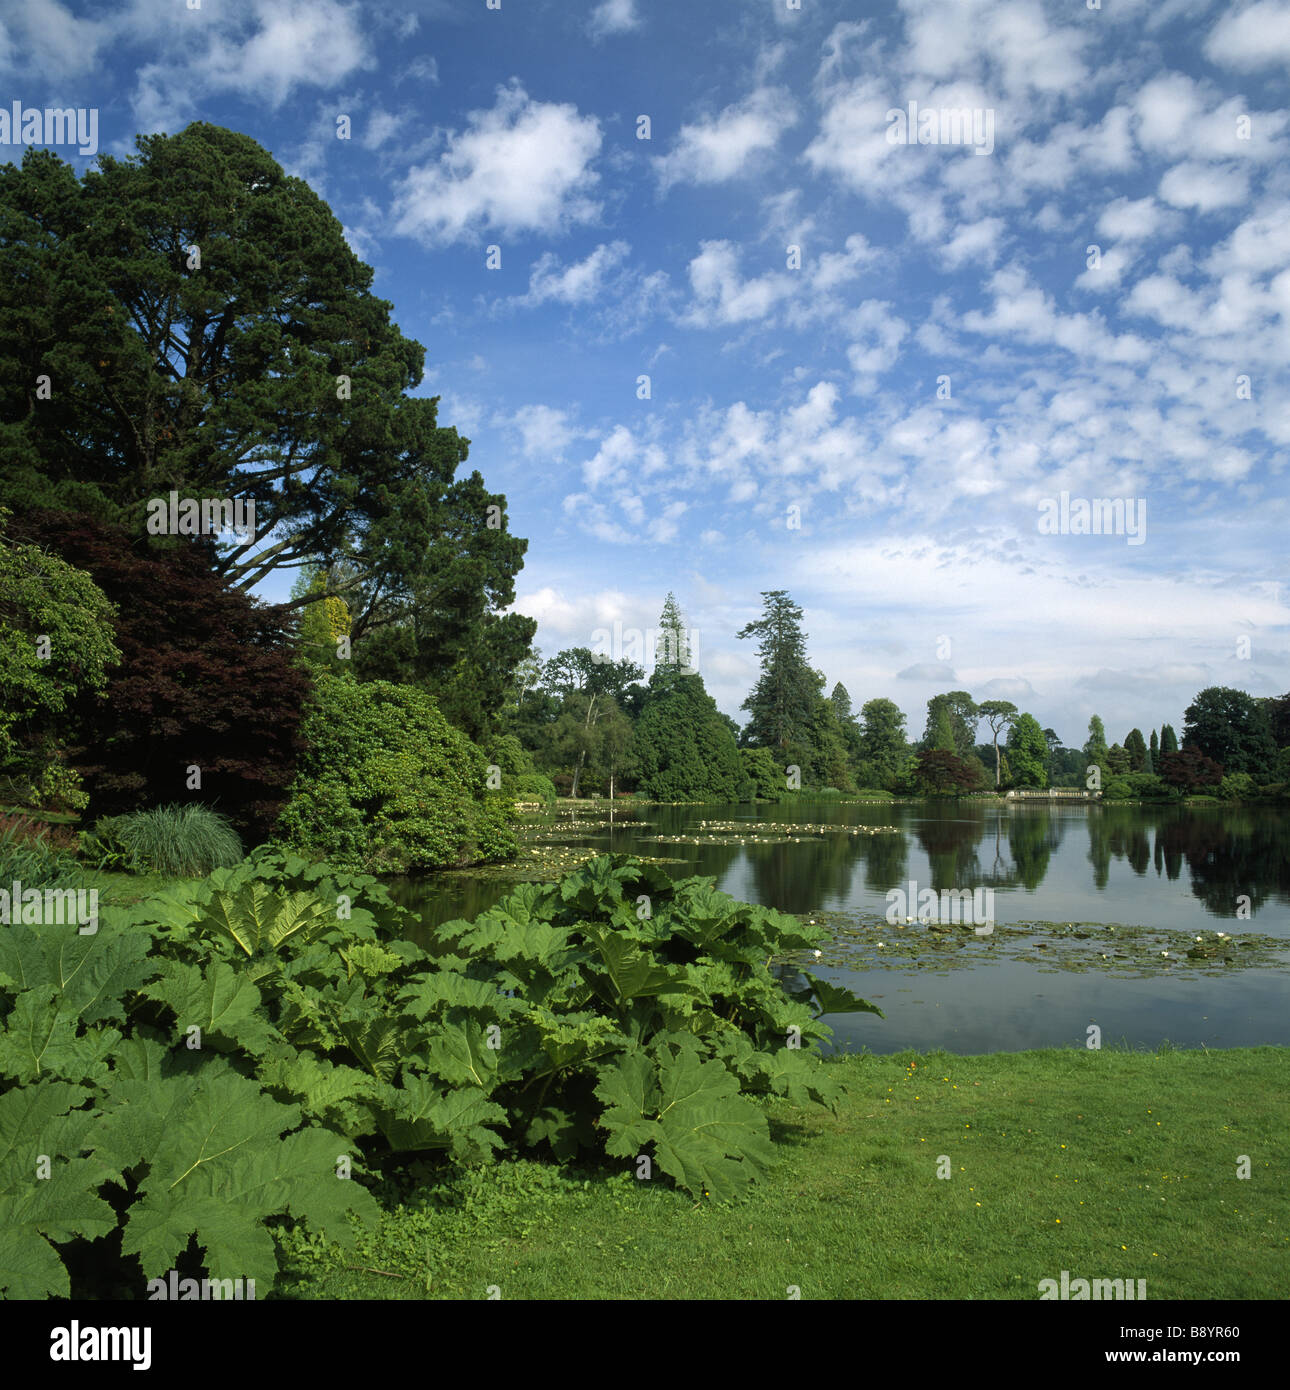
(206, 680)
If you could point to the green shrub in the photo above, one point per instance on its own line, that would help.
(765, 773)
(181, 841)
(387, 785)
(1236, 786)
(533, 786)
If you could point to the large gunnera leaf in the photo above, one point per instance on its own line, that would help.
(46, 1187)
(214, 1157)
(703, 1133)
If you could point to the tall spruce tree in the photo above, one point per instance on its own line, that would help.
(781, 703)
(672, 649)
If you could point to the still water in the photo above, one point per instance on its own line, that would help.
(1197, 870)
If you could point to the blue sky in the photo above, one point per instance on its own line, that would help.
(872, 423)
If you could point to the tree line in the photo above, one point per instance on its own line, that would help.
(596, 725)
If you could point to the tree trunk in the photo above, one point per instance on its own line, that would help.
(996, 762)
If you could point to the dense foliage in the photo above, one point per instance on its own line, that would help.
(684, 751)
(205, 704)
(387, 784)
(55, 647)
(226, 1055)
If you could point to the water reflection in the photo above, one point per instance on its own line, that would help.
(1050, 862)
(1170, 867)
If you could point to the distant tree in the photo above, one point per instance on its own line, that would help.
(1232, 728)
(1136, 747)
(1118, 758)
(964, 717)
(1277, 709)
(587, 687)
(1028, 752)
(731, 724)
(1189, 769)
(322, 624)
(883, 745)
(672, 650)
(830, 762)
(999, 715)
(942, 731)
(937, 771)
(684, 749)
(780, 704)
(1168, 739)
(1153, 753)
(614, 755)
(768, 778)
(1095, 749)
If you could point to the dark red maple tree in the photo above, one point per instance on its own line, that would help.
(206, 680)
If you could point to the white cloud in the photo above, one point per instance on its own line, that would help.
(721, 297)
(976, 242)
(614, 17)
(622, 457)
(379, 127)
(545, 432)
(521, 166)
(1261, 243)
(878, 336)
(1257, 36)
(718, 150)
(577, 283)
(1205, 187)
(1129, 219)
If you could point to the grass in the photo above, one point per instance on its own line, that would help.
(180, 840)
(1110, 1164)
(27, 856)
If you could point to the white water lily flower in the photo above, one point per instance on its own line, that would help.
(818, 954)
(1164, 953)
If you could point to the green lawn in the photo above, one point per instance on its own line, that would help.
(1108, 1164)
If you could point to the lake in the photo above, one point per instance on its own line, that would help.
(1095, 908)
